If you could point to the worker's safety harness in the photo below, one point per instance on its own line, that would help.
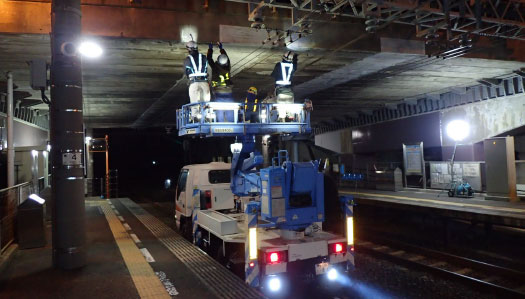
(246, 104)
(196, 72)
(222, 82)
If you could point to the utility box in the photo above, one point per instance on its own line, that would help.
(30, 224)
(38, 74)
(500, 163)
(389, 180)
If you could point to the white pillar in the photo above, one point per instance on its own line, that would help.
(10, 145)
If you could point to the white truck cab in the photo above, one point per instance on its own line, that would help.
(202, 187)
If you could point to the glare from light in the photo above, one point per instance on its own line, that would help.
(266, 137)
(34, 153)
(88, 139)
(154, 162)
(90, 49)
(168, 181)
(332, 274)
(236, 147)
(252, 239)
(37, 198)
(458, 130)
(48, 147)
(224, 106)
(291, 108)
(274, 284)
(350, 230)
(188, 33)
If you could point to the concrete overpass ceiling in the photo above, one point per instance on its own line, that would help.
(143, 59)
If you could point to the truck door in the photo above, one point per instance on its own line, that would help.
(181, 202)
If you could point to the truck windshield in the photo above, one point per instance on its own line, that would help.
(219, 176)
(181, 186)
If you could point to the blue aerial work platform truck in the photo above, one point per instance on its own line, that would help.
(270, 223)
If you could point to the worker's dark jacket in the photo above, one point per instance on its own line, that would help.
(196, 70)
(220, 74)
(289, 68)
(251, 103)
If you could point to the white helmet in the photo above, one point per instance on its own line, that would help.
(191, 46)
(222, 60)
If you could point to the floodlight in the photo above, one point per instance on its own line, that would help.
(458, 130)
(90, 49)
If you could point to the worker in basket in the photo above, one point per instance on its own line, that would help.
(221, 83)
(283, 73)
(251, 106)
(196, 69)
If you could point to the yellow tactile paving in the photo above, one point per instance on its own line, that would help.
(440, 202)
(147, 283)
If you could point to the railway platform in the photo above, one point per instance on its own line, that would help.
(437, 203)
(130, 254)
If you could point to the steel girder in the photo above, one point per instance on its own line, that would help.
(495, 18)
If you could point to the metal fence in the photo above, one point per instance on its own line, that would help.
(10, 199)
(97, 186)
(27, 114)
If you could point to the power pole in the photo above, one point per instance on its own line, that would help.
(67, 136)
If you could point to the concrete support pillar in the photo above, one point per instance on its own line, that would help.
(295, 147)
(500, 165)
(89, 156)
(10, 145)
(45, 168)
(67, 136)
(34, 168)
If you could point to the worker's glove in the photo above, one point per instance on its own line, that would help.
(220, 45)
(210, 46)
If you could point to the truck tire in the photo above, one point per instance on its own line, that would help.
(185, 228)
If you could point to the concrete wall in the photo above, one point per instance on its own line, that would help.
(24, 164)
(28, 135)
(389, 136)
(339, 141)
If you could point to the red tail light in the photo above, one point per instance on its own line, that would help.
(275, 257)
(337, 247)
(207, 196)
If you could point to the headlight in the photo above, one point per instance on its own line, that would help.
(332, 274)
(274, 284)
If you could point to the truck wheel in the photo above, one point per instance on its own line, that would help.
(185, 228)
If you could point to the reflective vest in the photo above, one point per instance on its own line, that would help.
(222, 82)
(197, 72)
(286, 73)
(246, 103)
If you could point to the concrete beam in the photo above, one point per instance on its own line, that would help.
(369, 65)
(486, 118)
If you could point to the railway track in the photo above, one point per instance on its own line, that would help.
(492, 279)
